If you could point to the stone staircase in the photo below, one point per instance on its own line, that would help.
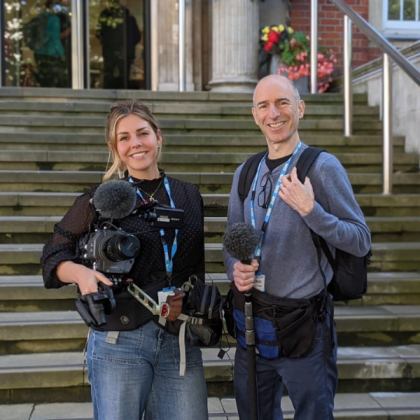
(52, 149)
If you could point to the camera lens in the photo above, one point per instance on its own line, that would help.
(122, 247)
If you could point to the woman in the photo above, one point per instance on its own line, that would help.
(136, 369)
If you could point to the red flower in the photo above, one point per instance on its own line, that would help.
(268, 46)
(273, 37)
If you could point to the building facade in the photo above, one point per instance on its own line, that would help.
(134, 44)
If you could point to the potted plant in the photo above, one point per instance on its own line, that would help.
(288, 53)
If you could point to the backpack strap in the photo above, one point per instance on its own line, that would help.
(306, 159)
(247, 174)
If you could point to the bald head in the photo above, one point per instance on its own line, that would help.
(275, 79)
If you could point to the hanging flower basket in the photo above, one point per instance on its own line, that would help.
(289, 51)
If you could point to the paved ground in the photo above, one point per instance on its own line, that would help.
(375, 406)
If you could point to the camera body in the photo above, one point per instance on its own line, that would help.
(111, 251)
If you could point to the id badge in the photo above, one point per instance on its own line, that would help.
(259, 282)
(163, 294)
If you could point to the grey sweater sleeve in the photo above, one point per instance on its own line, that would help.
(235, 215)
(339, 219)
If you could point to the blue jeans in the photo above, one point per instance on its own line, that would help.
(311, 381)
(140, 374)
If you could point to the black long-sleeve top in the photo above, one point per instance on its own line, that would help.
(190, 253)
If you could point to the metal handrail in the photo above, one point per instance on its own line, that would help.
(390, 53)
(379, 40)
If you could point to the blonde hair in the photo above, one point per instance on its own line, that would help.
(119, 110)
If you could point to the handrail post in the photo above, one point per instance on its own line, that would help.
(314, 46)
(387, 125)
(2, 45)
(182, 55)
(78, 57)
(348, 85)
(154, 46)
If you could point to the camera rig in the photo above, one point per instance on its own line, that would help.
(112, 251)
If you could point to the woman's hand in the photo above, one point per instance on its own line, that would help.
(86, 278)
(175, 304)
(244, 275)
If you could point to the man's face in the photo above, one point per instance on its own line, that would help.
(276, 111)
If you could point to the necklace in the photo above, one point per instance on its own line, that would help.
(153, 194)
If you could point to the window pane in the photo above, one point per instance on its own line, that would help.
(409, 10)
(116, 44)
(394, 9)
(37, 39)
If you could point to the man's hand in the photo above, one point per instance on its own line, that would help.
(175, 304)
(298, 196)
(244, 275)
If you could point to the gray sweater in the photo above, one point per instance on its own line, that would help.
(289, 258)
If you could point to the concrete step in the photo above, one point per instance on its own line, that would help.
(38, 229)
(57, 204)
(101, 108)
(27, 293)
(62, 376)
(20, 259)
(92, 124)
(66, 95)
(190, 143)
(208, 182)
(373, 405)
(60, 160)
(51, 331)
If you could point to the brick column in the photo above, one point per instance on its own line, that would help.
(235, 45)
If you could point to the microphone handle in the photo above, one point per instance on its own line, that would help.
(250, 344)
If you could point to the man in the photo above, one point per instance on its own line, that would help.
(119, 34)
(287, 264)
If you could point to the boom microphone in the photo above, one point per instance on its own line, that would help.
(240, 241)
(115, 199)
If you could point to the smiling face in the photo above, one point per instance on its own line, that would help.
(277, 112)
(138, 146)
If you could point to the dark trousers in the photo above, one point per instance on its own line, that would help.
(51, 71)
(311, 381)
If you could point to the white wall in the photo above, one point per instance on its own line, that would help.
(405, 105)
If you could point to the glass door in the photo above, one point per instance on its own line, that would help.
(37, 43)
(116, 44)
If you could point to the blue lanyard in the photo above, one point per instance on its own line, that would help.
(168, 256)
(257, 253)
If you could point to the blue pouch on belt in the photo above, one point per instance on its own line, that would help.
(266, 343)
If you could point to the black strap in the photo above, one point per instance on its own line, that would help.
(306, 159)
(247, 174)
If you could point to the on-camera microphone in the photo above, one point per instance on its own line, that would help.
(115, 199)
(240, 241)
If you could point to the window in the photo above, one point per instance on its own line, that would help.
(401, 17)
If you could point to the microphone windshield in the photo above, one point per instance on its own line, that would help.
(115, 199)
(240, 241)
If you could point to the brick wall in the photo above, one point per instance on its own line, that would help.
(330, 28)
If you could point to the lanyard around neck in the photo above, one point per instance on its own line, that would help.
(169, 256)
(257, 253)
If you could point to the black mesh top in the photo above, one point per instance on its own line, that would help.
(190, 253)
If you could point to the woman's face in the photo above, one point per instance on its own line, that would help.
(137, 146)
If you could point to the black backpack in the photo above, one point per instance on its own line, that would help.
(350, 272)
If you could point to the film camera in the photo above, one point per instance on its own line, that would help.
(111, 250)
